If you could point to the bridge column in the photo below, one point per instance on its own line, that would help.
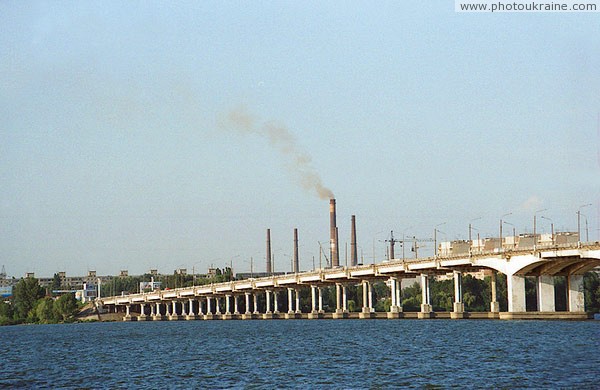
(575, 291)
(367, 308)
(459, 306)
(344, 298)
(127, 315)
(200, 311)
(152, 310)
(255, 300)
(298, 311)
(515, 289)
(191, 311)
(268, 296)
(235, 305)
(183, 313)
(494, 305)
(546, 293)
(338, 298)
(227, 309)
(275, 302)
(290, 304)
(396, 306)
(313, 299)
(425, 298)
(320, 299)
(218, 305)
(248, 312)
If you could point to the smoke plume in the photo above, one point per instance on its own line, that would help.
(280, 138)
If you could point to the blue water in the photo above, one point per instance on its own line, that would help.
(303, 354)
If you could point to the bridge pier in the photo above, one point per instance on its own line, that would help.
(293, 314)
(367, 308)
(459, 306)
(191, 314)
(515, 286)
(143, 316)
(341, 310)
(545, 293)
(268, 313)
(494, 304)
(576, 298)
(209, 314)
(314, 313)
(426, 311)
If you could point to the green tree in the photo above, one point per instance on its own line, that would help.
(591, 288)
(65, 307)
(26, 293)
(56, 282)
(412, 298)
(6, 313)
(44, 310)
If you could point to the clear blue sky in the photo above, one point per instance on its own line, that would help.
(116, 152)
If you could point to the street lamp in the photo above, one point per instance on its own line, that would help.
(471, 227)
(403, 236)
(587, 238)
(551, 228)
(534, 227)
(579, 221)
(435, 230)
(514, 234)
(505, 215)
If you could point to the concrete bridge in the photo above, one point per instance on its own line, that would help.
(240, 298)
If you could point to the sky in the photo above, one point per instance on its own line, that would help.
(161, 135)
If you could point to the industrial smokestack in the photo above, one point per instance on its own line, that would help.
(334, 252)
(295, 264)
(353, 254)
(269, 264)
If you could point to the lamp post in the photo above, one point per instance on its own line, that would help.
(471, 227)
(403, 236)
(587, 238)
(514, 234)
(505, 215)
(551, 228)
(435, 230)
(534, 227)
(579, 221)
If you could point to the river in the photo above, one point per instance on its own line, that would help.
(303, 354)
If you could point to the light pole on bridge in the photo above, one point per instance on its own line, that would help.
(579, 221)
(551, 228)
(534, 227)
(505, 215)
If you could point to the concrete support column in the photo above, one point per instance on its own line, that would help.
(338, 298)
(235, 305)
(298, 301)
(183, 312)
(425, 298)
(174, 313)
(313, 299)
(370, 290)
(459, 306)
(191, 311)
(344, 298)
(127, 310)
(255, 299)
(268, 298)
(248, 312)
(546, 293)
(152, 310)
(157, 309)
(208, 305)
(515, 286)
(320, 300)
(365, 289)
(494, 305)
(395, 307)
(275, 301)
(575, 293)
(200, 312)
(142, 309)
(217, 304)
(392, 284)
(227, 305)
(290, 304)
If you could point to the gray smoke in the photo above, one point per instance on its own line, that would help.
(297, 161)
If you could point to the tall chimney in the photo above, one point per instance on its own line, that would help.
(269, 264)
(333, 253)
(295, 264)
(353, 255)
